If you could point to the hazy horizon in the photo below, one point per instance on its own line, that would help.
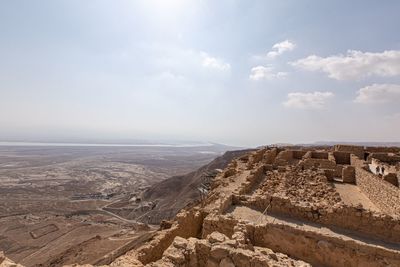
(242, 73)
(171, 143)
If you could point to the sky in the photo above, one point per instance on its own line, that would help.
(242, 73)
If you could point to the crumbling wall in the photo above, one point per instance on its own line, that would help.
(283, 157)
(356, 150)
(270, 155)
(342, 157)
(391, 178)
(319, 155)
(338, 170)
(222, 224)
(314, 247)
(257, 156)
(349, 175)
(188, 224)
(330, 175)
(321, 250)
(219, 250)
(316, 159)
(299, 154)
(318, 163)
(383, 194)
(252, 180)
(384, 157)
(353, 218)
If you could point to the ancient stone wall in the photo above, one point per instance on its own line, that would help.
(342, 157)
(222, 224)
(188, 224)
(391, 178)
(338, 170)
(318, 163)
(314, 247)
(391, 159)
(270, 155)
(319, 155)
(321, 250)
(299, 154)
(356, 150)
(257, 156)
(359, 220)
(219, 250)
(283, 157)
(383, 194)
(252, 180)
(348, 174)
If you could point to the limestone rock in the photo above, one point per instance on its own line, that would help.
(216, 237)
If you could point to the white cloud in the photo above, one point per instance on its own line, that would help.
(280, 48)
(265, 73)
(315, 100)
(214, 63)
(378, 93)
(354, 65)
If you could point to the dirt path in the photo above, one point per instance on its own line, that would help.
(352, 195)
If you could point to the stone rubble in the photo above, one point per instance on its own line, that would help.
(218, 250)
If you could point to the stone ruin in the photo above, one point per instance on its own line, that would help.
(280, 206)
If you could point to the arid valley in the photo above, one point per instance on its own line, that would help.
(54, 199)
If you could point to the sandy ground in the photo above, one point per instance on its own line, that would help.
(352, 195)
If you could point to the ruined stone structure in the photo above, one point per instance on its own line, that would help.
(287, 207)
(284, 207)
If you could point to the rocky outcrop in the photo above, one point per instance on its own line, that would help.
(188, 189)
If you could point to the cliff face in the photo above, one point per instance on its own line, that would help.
(176, 193)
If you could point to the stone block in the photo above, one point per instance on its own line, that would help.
(391, 178)
(349, 174)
